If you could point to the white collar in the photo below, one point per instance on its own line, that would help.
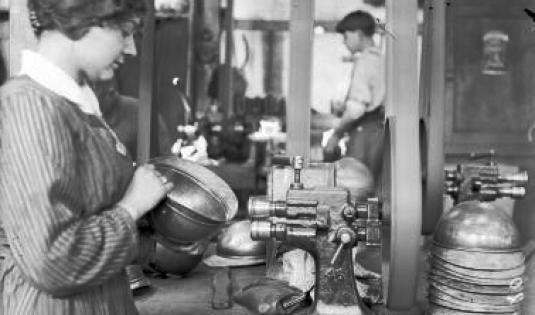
(47, 74)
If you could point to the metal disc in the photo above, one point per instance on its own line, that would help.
(475, 288)
(400, 194)
(477, 273)
(479, 298)
(513, 283)
(479, 259)
(440, 310)
(442, 298)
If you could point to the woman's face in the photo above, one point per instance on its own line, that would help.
(101, 51)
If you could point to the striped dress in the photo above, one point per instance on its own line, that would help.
(60, 178)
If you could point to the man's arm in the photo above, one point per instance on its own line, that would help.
(355, 110)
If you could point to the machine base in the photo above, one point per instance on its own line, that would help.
(324, 309)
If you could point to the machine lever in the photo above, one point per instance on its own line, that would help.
(345, 237)
(337, 254)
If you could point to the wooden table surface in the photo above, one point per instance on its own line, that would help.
(192, 295)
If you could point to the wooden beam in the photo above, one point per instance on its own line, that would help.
(225, 76)
(300, 95)
(206, 23)
(145, 136)
(188, 89)
(402, 108)
(298, 117)
(435, 103)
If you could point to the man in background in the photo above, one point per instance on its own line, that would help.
(361, 117)
(362, 111)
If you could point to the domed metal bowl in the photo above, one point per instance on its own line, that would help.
(355, 176)
(178, 262)
(477, 226)
(197, 207)
(235, 242)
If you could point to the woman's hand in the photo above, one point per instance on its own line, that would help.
(147, 188)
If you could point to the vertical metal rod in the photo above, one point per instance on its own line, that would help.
(300, 95)
(146, 86)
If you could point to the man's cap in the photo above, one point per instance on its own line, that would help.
(357, 20)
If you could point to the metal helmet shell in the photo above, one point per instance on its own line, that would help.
(197, 207)
(480, 226)
(235, 242)
(355, 176)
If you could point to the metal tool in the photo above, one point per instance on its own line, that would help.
(222, 289)
(327, 222)
(483, 181)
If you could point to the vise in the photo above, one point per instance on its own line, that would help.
(325, 221)
(483, 181)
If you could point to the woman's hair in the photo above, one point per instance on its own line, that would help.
(357, 21)
(74, 17)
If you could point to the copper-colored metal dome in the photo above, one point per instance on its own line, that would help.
(235, 242)
(480, 226)
(176, 261)
(355, 176)
(197, 207)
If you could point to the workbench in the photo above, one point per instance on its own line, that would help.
(192, 295)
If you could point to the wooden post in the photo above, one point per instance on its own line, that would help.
(298, 263)
(402, 108)
(434, 102)
(206, 45)
(20, 34)
(300, 95)
(145, 136)
(188, 89)
(225, 74)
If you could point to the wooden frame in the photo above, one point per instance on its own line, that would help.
(146, 141)
(300, 95)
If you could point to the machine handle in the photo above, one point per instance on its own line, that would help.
(520, 179)
(345, 237)
(336, 255)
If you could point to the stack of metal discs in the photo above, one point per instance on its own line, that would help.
(476, 264)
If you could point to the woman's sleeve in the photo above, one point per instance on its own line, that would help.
(54, 246)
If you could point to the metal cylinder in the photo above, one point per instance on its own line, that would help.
(513, 192)
(260, 230)
(260, 208)
(520, 178)
(305, 232)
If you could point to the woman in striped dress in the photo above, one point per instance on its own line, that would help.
(69, 196)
